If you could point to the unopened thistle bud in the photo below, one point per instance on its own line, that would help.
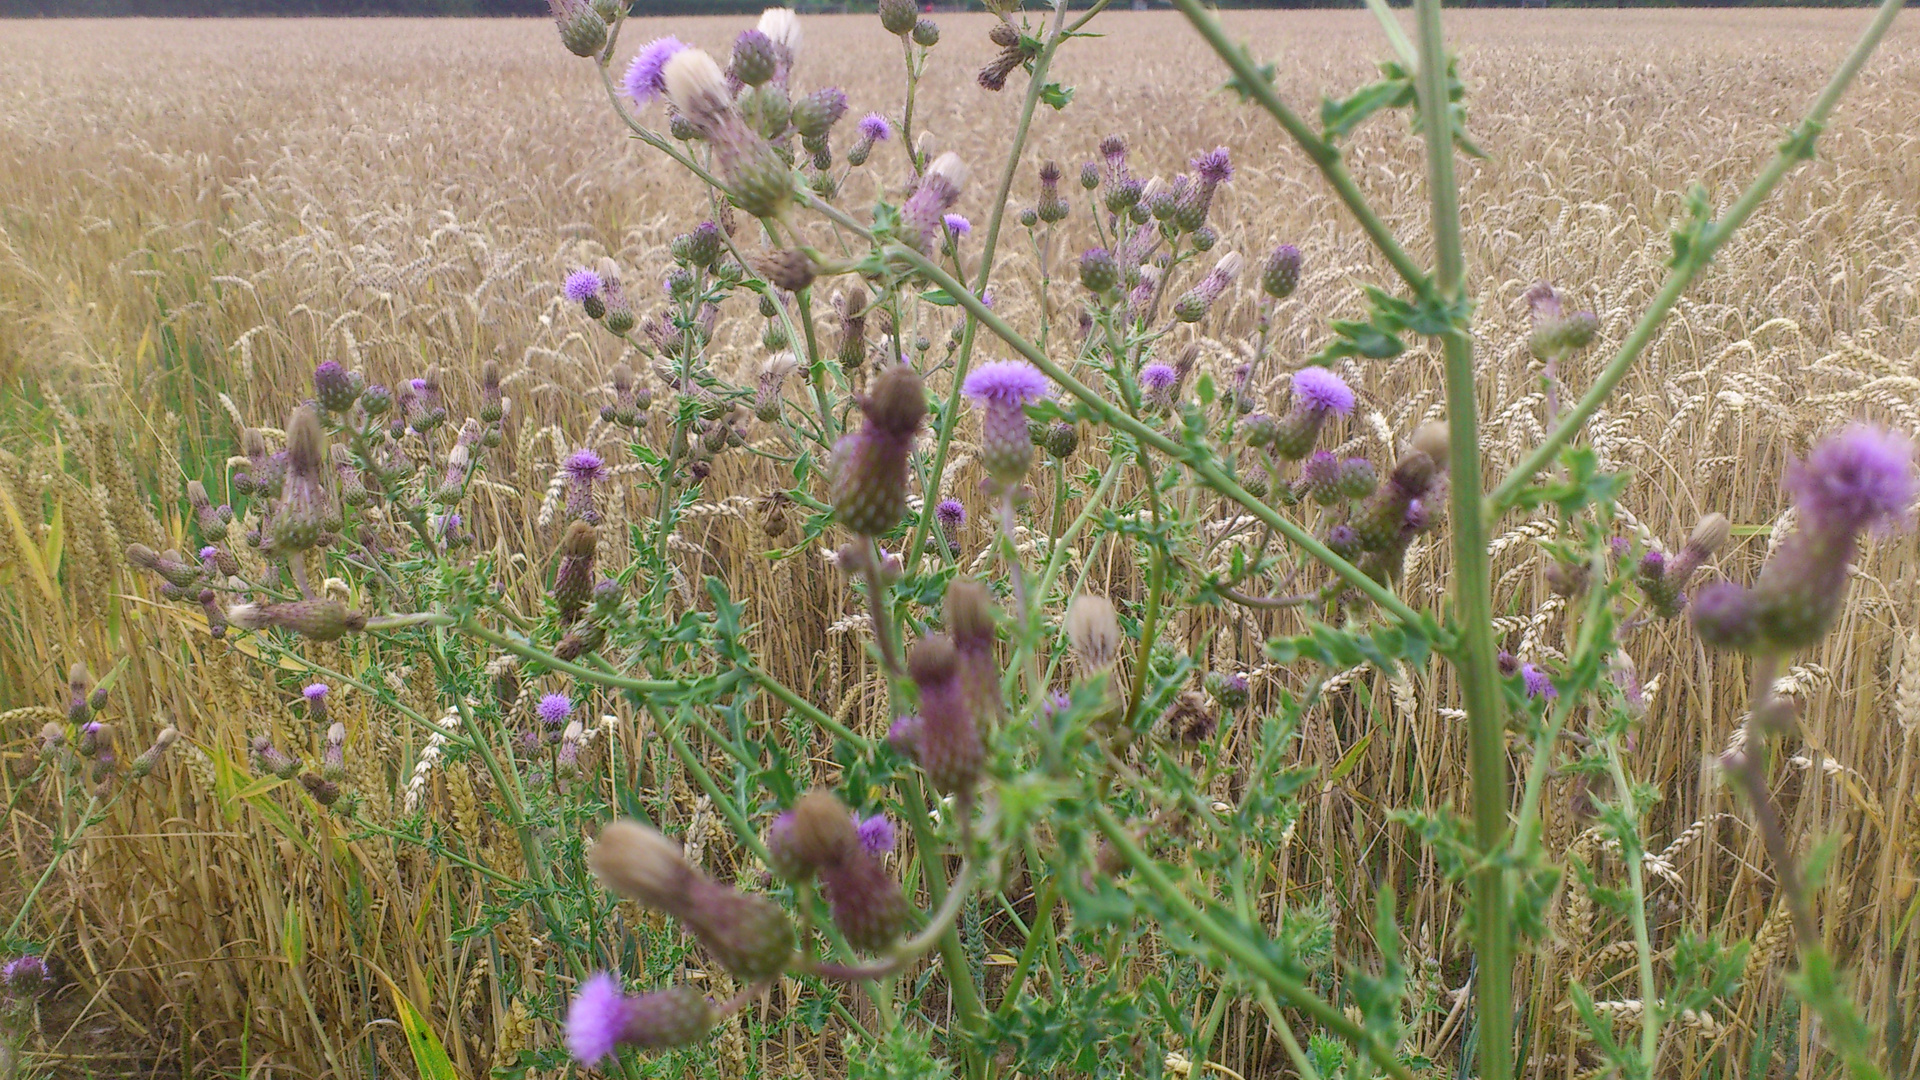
(1052, 206)
(1099, 271)
(1190, 720)
(815, 114)
(268, 758)
(573, 581)
(1002, 390)
(212, 524)
(870, 465)
(319, 619)
(970, 622)
(948, 745)
(601, 1019)
(851, 306)
(1557, 333)
(926, 33)
(333, 753)
(1318, 394)
(754, 62)
(320, 789)
(1281, 274)
(1194, 304)
(923, 215)
(1320, 478)
(305, 509)
(335, 388)
(1380, 522)
(899, 16)
(756, 177)
(79, 693)
(1228, 688)
(1061, 439)
(749, 934)
(582, 30)
(1357, 478)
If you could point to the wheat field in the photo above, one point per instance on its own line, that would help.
(195, 213)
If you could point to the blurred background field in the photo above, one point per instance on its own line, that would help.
(193, 214)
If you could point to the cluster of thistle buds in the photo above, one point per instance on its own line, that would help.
(1016, 50)
(1149, 219)
(93, 740)
(958, 681)
(587, 606)
(747, 113)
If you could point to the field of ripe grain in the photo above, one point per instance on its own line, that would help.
(193, 214)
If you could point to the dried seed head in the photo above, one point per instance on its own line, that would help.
(788, 270)
(1093, 630)
(1431, 439)
(970, 614)
(820, 831)
(1710, 535)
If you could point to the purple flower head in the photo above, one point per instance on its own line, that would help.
(1319, 389)
(875, 128)
(1056, 703)
(951, 514)
(959, 226)
(1005, 382)
(1158, 377)
(209, 552)
(584, 465)
(583, 285)
(1213, 166)
(315, 692)
(876, 834)
(554, 709)
(644, 82)
(596, 1018)
(1537, 683)
(903, 735)
(1418, 517)
(1861, 477)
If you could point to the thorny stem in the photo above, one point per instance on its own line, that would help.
(1325, 155)
(990, 243)
(1650, 1015)
(870, 571)
(1797, 147)
(87, 821)
(953, 954)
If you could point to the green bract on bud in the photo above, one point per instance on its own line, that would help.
(1099, 271)
(1281, 274)
(870, 465)
(926, 33)
(1062, 438)
(1557, 332)
(754, 58)
(319, 619)
(899, 16)
(573, 581)
(582, 30)
(788, 270)
(145, 763)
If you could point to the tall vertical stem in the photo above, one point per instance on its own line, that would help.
(1473, 589)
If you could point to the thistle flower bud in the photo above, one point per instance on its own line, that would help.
(320, 789)
(52, 738)
(601, 1019)
(25, 977)
(335, 388)
(319, 619)
(923, 215)
(851, 306)
(1210, 171)
(212, 524)
(1093, 632)
(1726, 617)
(96, 739)
(79, 693)
(375, 400)
(268, 758)
(970, 621)
(748, 934)
(1357, 478)
(1281, 274)
(216, 615)
(1260, 429)
(1002, 390)
(926, 33)
(1318, 394)
(791, 271)
(1320, 478)
(1556, 332)
(1381, 522)
(582, 30)
(815, 114)
(333, 753)
(1190, 721)
(754, 62)
(948, 746)
(573, 581)
(870, 465)
(1228, 688)
(1061, 439)
(305, 509)
(1099, 271)
(1194, 304)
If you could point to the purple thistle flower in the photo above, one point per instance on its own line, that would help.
(958, 225)
(209, 552)
(951, 514)
(643, 82)
(583, 467)
(1538, 685)
(554, 709)
(903, 735)
(1005, 382)
(583, 285)
(876, 834)
(1156, 377)
(1194, 303)
(315, 692)
(1860, 478)
(923, 213)
(1320, 389)
(875, 128)
(1002, 389)
(1213, 166)
(596, 1019)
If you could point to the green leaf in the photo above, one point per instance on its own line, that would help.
(429, 1056)
(1056, 95)
(939, 298)
(1339, 117)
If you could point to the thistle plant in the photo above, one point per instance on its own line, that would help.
(1066, 766)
